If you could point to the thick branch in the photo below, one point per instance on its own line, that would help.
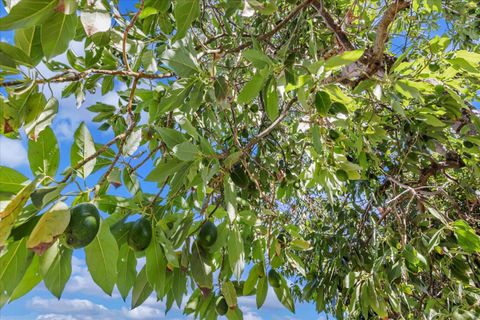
(72, 75)
(341, 36)
(383, 25)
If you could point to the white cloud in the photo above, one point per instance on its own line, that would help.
(66, 306)
(143, 312)
(12, 153)
(251, 316)
(55, 316)
(81, 280)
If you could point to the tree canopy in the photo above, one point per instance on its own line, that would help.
(327, 149)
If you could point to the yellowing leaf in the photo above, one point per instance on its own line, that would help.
(52, 224)
(16, 204)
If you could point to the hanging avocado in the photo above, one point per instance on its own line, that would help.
(239, 176)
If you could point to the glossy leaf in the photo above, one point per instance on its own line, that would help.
(101, 256)
(44, 154)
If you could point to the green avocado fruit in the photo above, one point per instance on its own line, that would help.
(83, 226)
(334, 135)
(207, 235)
(140, 234)
(342, 175)
(467, 144)
(221, 306)
(239, 176)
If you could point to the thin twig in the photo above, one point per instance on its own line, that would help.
(277, 27)
(72, 75)
(93, 156)
(340, 35)
(125, 34)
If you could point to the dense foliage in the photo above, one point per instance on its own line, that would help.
(327, 149)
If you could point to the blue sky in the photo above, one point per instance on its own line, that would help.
(82, 299)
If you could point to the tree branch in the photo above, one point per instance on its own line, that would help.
(127, 133)
(93, 156)
(340, 35)
(125, 34)
(272, 126)
(277, 27)
(383, 25)
(71, 75)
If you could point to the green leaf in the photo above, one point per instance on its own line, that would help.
(56, 268)
(316, 139)
(251, 90)
(300, 244)
(41, 197)
(28, 13)
(57, 32)
(200, 270)
(44, 154)
(43, 119)
(322, 103)
(147, 12)
(186, 151)
(164, 170)
(156, 264)
(51, 224)
(82, 148)
(13, 264)
(96, 20)
(343, 59)
(28, 40)
(432, 120)
(466, 236)
(221, 88)
(126, 267)
(236, 253)
(229, 293)
(230, 198)
(171, 137)
(30, 280)
(16, 54)
(11, 181)
(181, 61)
(262, 290)
(259, 59)
(185, 12)
(271, 100)
(9, 213)
(141, 289)
(101, 256)
(133, 142)
(284, 296)
(252, 280)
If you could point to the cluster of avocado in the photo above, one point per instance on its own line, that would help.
(85, 223)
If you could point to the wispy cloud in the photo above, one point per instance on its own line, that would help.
(12, 153)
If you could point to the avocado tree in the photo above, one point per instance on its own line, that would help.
(327, 149)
